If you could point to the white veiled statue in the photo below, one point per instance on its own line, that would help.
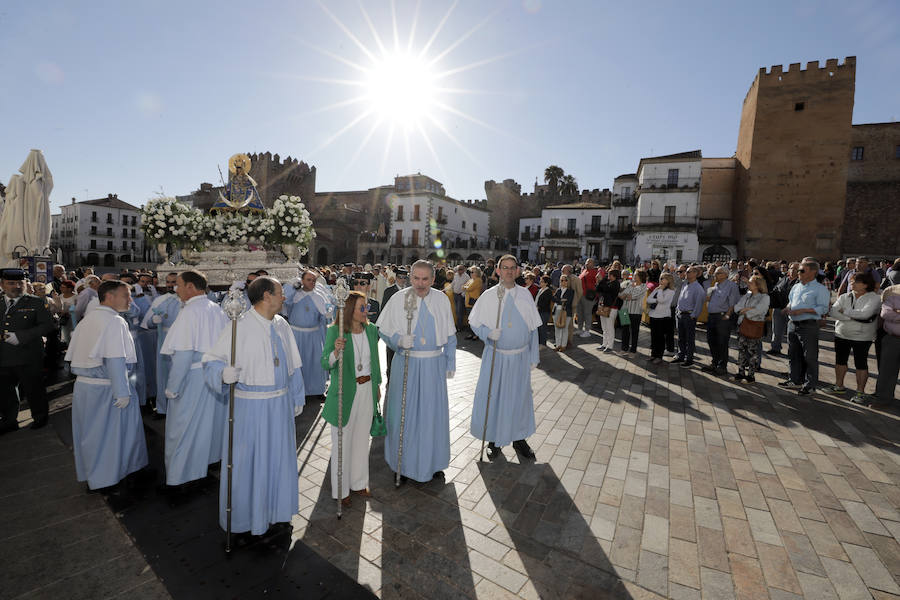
(26, 216)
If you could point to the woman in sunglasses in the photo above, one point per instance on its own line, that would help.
(362, 379)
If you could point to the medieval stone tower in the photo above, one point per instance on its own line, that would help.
(792, 160)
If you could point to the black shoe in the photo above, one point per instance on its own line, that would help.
(804, 391)
(677, 359)
(493, 450)
(38, 423)
(790, 385)
(158, 416)
(708, 369)
(686, 364)
(522, 447)
(721, 371)
(774, 352)
(738, 377)
(750, 379)
(438, 475)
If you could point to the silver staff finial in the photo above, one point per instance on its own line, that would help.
(234, 306)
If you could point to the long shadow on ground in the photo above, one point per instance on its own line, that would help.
(183, 543)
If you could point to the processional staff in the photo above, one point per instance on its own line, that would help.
(487, 407)
(233, 306)
(341, 293)
(409, 303)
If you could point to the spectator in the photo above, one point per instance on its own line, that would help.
(862, 266)
(654, 272)
(778, 299)
(688, 308)
(723, 295)
(808, 302)
(530, 285)
(889, 363)
(607, 308)
(562, 300)
(575, 286)
(892, 275)
(473, 289)
(632, 296)
(65, 307)
(658, 304)
(458, 284)
(544, 302)
(92, 282)
(752, 307)
(585, 306)
(856, 313)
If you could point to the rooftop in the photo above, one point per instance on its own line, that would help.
(679, 156)
(110, 201)
(580, 206)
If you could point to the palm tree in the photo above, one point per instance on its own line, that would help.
(552, 175)
(569, 186)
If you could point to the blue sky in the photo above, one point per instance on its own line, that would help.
(141, 96)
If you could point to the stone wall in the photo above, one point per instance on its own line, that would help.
(879, 142)
(792, 155)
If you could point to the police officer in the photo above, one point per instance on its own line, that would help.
(24, 320)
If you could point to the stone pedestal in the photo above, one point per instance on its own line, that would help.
(223, 265)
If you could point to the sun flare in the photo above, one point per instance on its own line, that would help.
(401, 89)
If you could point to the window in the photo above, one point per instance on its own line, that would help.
(133, 221)
(93, 230)
(132, 233)
(133, 246)
(670, 214)
(538, 231)
(570, 226)
(622, 223)
(798, 106)
(626, 190)
(109, 231)
(93, 244)
(474, 226)
(857, 153)
(109, 218)
(124, 245)
(527, 233)
(463, 225)
(93, 216)
(124, 219)
(596, 222)
(399, 238)
(673, 177)
(554, 225)
(109, 246)
(400, 213)
(415, 216)
(415, 237)
(124, 233)
(440, 213)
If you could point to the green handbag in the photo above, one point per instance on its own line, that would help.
(624, 318)
(378, 429)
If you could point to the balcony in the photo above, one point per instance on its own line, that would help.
(529, 237)
(667, 223)
(399, 218)
(595, 232)
(624, 200)
(622, 232)
(369, 237)
(561, 234)
(441, 220)
(684, 184)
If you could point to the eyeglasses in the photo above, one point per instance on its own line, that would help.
(802, 270)
(682, 271)
(508, 268)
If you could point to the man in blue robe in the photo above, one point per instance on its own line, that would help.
(107, 431)
(196, 414)
(163, 312)
(511, 345)
(133, 316)
(431, 350)
(268, 394)
(307, 314)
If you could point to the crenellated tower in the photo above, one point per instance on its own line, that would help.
(792, 160)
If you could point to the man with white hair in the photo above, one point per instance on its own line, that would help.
(723, 294)
(809, 301)
(92, 282)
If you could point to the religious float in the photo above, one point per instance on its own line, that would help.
(238, 235)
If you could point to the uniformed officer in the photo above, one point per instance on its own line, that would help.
(25, 320)
(362, 283)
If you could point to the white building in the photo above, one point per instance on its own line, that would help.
(574, 231)
(426, 223)
(668, 198)
(620, 238)
(529, 242)
(105, 232)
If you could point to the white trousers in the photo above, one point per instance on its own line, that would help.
(562, 334)
(355, 471)
(609, 328)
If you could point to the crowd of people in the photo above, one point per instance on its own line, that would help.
(166, 342)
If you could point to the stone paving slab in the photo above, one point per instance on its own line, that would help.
(649, 482)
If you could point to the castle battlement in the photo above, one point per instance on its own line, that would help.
(795, 71)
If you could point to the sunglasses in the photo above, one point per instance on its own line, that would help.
(363, 308)
(361, 282)
(802, 270)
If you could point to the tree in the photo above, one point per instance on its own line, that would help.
(569, 186)
(552, 175)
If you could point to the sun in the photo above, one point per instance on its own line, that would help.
(401, 89)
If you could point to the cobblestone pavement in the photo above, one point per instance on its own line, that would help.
(649, 482)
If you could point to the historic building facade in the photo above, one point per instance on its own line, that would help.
(105, 232)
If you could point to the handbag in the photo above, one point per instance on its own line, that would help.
(559, 320)
(624, 318)
(378, 429)
(752, 330)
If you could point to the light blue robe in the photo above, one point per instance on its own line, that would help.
(146, 339)
(108, 441)
(138, 374)
(168, 309)
(426, 434)
(265, 474)
(195, 421)
(310, 343)
(511, 415)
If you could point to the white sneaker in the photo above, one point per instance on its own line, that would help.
(584, 334)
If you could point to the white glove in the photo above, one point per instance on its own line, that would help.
(298, 410)
(122, 402)
(407, 341)
(135, 321)
(171, 395)
(157, 319)
(231, 374)
(450, 374)
(12, 339)
(495, 334)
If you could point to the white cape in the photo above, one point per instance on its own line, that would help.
(485, 310)
(393, 316)
(147, 322)
(197, 327)
(101, 334)
(253, 353)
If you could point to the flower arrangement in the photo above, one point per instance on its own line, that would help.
(286, 223)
